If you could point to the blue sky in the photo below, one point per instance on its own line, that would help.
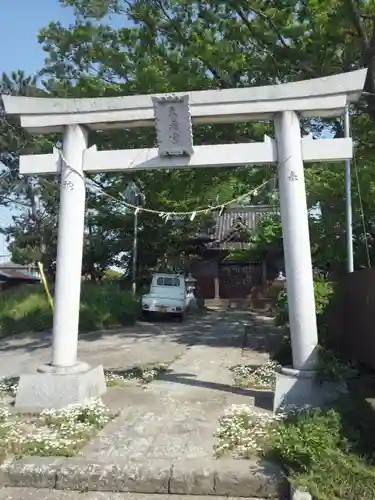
(21, 21)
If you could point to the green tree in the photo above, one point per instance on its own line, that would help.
(102, 60)
(32, 199)
(32, 236)
(117, 47)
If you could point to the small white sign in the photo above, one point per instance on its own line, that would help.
(173, 125)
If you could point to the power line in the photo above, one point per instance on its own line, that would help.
(362, 214)
(167, 214)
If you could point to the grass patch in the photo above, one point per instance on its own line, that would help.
(104, 305)
(145, 375)
(256, 376)
(328, 451)
(53, 432)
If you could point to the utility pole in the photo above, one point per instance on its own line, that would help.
(136, 198)
(135, 249)
(348, 199)
(91, 247)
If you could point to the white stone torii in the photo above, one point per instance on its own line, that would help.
(65, 380)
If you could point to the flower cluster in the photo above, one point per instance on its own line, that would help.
(256, 377)
(54, 432)
(94, 414)
(150, 374)
(145, 375)
(9, 385)
(244, 431)
(4, 415)
(114, 379)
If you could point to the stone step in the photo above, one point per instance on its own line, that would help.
(218, 478)
(225, 304)
(44, 494)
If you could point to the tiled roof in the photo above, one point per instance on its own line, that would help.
(227, 230)
(235, 218)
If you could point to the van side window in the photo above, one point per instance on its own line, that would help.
(167, 281)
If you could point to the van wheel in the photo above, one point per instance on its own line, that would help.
(146, 315)
(181, 317)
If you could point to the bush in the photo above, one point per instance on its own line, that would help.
(305, 437)
(326, 451)
(103, 305)
(324, 293)
(24, 308)
(283, 355)
(106, 305)
(111, 275)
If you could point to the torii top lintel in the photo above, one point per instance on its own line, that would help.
(327, 96)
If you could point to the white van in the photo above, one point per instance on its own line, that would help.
(167, 295)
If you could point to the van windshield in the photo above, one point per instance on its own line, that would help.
(167, 281)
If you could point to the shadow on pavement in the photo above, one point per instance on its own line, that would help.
(262, 399)
(232, 328)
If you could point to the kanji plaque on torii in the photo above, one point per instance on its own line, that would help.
(173, 125)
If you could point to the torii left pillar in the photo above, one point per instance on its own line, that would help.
(65, 380)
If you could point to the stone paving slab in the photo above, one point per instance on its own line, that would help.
(176, 416)
(28, 494)
(239, 478)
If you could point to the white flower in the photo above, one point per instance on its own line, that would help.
(54, 432)
(144, 375)
(243, 430)
(9, 385)
(257, 377)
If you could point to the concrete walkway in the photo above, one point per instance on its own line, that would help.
(174, 418)
(143, 343)
(162, 441)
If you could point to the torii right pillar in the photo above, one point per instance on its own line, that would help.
(297, 386)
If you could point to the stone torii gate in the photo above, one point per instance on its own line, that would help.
(65, 380)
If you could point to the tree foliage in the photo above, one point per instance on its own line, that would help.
(123, 47)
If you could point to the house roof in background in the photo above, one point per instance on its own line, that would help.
(9, 271)
(9, 274)
(11, 265)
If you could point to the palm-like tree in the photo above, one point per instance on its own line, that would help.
(17, 83)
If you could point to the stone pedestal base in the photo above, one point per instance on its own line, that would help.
(58, 388)
(191, 303)
(298, 388)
